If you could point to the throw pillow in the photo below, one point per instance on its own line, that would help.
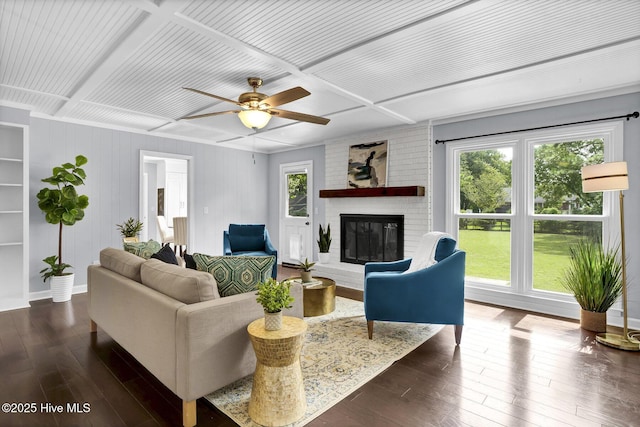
(143, 249)
(236, 274)
(166, 255)
(189, 261)
(428, 250)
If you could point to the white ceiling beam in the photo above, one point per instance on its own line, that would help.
(261, 55)
(124, 48)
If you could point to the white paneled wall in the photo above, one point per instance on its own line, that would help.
(227, 182)
(409, 152)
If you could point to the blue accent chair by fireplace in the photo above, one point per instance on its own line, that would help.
(249, 239)
(433, 294)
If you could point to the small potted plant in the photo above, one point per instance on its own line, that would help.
(130, 230)
(594, 275)
(324, 243)
(305, 268)
(62, 206)
(274, 296)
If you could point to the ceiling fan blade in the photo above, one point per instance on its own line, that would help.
(298, 116)
(217, 113)
(286, 96)
(212, 95)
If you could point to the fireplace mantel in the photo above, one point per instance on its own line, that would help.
(411, 190)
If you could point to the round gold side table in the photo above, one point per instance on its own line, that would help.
(319, 298)
(277, 394)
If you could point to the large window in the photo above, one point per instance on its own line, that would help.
(516, 206)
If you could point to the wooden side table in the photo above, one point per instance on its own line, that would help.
(277, 394)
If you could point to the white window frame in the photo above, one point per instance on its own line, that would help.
(521, 293)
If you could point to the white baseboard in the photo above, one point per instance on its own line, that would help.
(35, 296)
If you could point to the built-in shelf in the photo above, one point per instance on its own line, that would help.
(11, 244)
(3, 184)
(10, 212)
(10, 159)
(411, 190)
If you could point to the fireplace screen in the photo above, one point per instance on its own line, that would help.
(365, 238)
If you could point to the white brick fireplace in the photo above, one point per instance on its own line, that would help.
(410, 154)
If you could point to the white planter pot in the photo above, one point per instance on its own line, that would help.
(273, 321)
(61, 287)
(324, 257)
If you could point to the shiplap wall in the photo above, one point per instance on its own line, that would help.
(227, 182)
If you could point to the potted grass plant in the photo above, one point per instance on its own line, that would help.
(324, 243)
(62, 205)
(594, 276)
(274, 296)
(130, 230)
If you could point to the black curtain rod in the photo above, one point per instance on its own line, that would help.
(633, 115)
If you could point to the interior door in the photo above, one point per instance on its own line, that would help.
(296, 206)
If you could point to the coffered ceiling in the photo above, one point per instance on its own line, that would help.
(368, 64)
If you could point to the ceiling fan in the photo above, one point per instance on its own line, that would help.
(257, 108)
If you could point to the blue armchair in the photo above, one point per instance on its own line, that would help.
(249, 239)
(434, 294)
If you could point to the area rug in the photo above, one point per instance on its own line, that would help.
(337, 358)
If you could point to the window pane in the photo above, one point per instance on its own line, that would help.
(485, 181)
(551, 243)
(558, 183)
(297, 202)
(487, 243)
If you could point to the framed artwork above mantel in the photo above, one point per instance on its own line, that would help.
(367, 166)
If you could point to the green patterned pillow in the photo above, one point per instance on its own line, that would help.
(236, 274)
(143, 249)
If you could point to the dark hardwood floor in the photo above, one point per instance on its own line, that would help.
(513, 368)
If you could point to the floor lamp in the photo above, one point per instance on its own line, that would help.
(612, 177)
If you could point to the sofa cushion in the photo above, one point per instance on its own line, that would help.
(121, 262)
(246, 237)
(143, 249)
(167, 255)
(189, 262)
(236, 274)
(182, 284)
(446, 246)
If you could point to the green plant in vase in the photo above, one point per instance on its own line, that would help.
(130, 229)
(324, 243)
(62, 206)
(274, 296)
(305, 268)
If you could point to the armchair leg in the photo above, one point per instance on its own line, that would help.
(458, 333)
(189, 413)
(370, 328)
(93, 326)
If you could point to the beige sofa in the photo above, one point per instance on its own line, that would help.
(172, 320)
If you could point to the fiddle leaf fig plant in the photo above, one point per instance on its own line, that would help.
(62, 205)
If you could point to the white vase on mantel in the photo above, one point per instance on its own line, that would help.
(324, 257)
(61, 287)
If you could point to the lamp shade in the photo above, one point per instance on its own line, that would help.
(254, 119)
(605, 177)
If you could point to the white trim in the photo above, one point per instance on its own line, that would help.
(40, 295)
(521, 294)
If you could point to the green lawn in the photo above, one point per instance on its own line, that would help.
(488, 256)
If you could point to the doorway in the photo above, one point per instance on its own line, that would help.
(296, 206)
(165, 189)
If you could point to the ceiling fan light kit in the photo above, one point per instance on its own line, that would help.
(257, 108)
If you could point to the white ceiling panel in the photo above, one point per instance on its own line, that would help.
(480, 40)
(151, 80)
(50, 46)
(369, 64)
(305, 31)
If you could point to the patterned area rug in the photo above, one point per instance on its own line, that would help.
(337, 359)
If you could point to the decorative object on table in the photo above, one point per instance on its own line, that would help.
(367, 165)
(337, 359)
(130, 229)
(305, 268)
(613, 176)
(62, 206)
(249, 240)
(324, 243)
(418, 293)
(594, 276)
(277, 391)
(274, 296)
